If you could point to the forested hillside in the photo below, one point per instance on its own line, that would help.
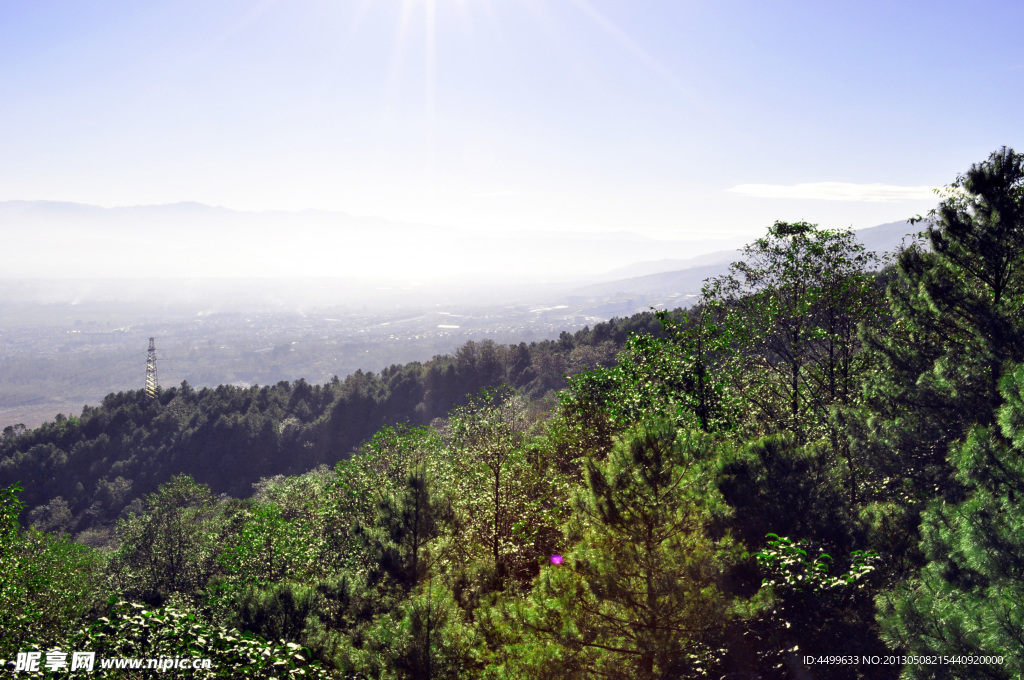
(82, 471)
(812, 473)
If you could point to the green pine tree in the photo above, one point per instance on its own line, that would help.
(966, 600)
(637, 597)
(404, 529)
(955, 300)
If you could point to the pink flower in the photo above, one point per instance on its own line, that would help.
(556, 559)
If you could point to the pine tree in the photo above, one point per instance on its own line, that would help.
(637, 597)
(411, 627)
(966, 600)
(405, 527)
(948, 424)
(955, 300)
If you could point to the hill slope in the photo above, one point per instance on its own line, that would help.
(84, 471)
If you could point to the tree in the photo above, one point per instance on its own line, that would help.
(788, 314)
(169, 548)
(637, 596)
(47, 583)
(403, 530)
(696, 345)
(424, 637)
(774, 485)
(668, 376)
(956, 326)
(949, 419)
(398, 622)
(268, 548)
(489, 436)
(977, 235)
(966, 600)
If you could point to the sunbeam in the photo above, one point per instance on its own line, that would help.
(644, 56)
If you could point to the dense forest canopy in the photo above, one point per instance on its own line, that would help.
(811, 473)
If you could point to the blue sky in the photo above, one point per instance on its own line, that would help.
(669, 118)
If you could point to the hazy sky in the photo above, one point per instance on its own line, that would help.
(668, 117)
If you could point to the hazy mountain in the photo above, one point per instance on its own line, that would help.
(669, 265)
(887, 238)
(68, 240)
(687, 276)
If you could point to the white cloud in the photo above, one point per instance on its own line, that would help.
(837, 191)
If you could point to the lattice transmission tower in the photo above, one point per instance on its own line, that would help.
(151, 384)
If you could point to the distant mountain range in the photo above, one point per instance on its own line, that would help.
(687, 276)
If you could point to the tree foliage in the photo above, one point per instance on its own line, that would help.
(955, 300)
(965, 599)
(169, 548)
(637, 597)
(788, 314)
(47, 582)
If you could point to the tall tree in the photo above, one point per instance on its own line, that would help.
(406, 524)
(951, 414)
(637, 597)
(955, 302)
(169, 548)
(488, 438)
(966, 600)
(789, 312)
(775, 346)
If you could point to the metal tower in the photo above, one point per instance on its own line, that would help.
(151, 384)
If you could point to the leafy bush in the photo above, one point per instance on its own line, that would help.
(132, 631)
(46, 582)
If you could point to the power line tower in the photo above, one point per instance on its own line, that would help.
(151, 384)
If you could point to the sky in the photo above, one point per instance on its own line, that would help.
(668, 118)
